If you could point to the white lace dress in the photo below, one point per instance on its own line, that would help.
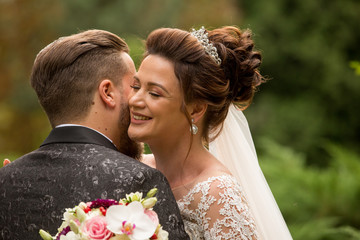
(222, 197)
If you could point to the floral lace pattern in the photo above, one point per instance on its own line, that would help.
(217, 209)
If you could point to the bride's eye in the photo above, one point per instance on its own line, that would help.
(135, 87)
(154, 94)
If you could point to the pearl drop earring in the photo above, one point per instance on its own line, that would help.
(193, 129)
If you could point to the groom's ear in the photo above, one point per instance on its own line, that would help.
(106, 92)
(197, 111)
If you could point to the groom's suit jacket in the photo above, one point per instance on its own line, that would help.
(75, 164)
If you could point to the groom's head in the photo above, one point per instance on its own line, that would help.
(67, 72)
(84, 79)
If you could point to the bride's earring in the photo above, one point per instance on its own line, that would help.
(194, 129)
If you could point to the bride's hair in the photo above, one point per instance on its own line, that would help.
(202, 79)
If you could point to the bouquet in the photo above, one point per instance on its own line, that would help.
(130, 218)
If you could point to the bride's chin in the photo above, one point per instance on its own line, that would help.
(135, 137)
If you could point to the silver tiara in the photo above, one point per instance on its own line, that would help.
(203, 38)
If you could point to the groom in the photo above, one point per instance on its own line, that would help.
(82, 82)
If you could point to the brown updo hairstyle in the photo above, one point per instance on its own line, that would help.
(201, 79)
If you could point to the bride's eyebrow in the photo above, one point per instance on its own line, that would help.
(153, 84)
(158, 85)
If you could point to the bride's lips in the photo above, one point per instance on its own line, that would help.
(138, 118)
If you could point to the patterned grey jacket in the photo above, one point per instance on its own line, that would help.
(75, 164)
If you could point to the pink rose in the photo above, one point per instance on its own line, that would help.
(95, 228)
(152, 215)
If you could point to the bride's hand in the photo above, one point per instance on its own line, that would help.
(6, 161)
(149, 160)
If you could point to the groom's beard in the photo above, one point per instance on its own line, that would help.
(126, 145)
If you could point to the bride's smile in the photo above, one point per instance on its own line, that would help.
(138, 117)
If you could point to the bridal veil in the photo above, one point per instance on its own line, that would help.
(234, 147)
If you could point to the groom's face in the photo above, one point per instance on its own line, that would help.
(126, 145)
(128, 76)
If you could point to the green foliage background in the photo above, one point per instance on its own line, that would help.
(305, 119)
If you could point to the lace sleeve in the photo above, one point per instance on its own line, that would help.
(219, 209)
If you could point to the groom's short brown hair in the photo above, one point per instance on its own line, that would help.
(66, 73)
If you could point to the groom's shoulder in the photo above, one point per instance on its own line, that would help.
(103, 154)
(14, 165)
(67, 155)
(121, 161)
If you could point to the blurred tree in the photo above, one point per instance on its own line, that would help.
(209, 13)
(121, 17)
(317, 204)
(356, 66)
(313, 93)
(26, 27)
(140, 17)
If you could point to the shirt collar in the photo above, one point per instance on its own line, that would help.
(78, 125)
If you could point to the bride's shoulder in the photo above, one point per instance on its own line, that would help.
(220, 187)
(215, 180)
(220, 180)
(215, 170)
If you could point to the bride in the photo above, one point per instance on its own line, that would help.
(185, 104)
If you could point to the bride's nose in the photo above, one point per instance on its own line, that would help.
(136, 99)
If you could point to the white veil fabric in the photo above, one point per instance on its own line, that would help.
(234, 147)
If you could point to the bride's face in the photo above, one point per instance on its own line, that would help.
(155, 103)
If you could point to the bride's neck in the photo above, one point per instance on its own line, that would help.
(177, 163)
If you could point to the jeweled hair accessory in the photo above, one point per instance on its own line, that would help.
(203, 38)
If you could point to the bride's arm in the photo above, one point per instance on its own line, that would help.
(228, 216)
(6, 161)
